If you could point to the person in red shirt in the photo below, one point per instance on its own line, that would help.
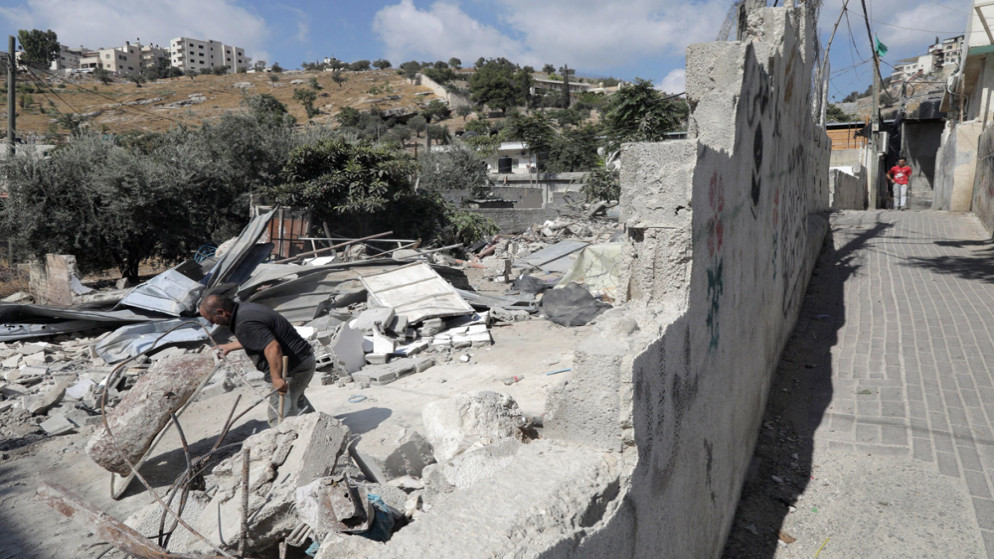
(899, 175)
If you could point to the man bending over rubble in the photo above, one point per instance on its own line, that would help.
(266, 337)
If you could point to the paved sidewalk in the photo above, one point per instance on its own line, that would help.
(879, 434)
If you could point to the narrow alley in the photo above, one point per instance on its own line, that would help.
(877, 439)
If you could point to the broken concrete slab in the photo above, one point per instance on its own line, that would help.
(347, 347)
(11, 362)
(25, 375)
(410, 458)
(39, 404)
(291, 455)
(36, 359)
(373, 319)
(456, 424)
(467, 468)
(56, 424)
(145, 410)
(332, 505)
(80, 389)
(384, 373)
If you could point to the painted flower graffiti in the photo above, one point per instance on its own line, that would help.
(715, 240)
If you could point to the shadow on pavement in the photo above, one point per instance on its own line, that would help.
(977, 265)
(800, 394)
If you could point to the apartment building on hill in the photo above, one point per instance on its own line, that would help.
(187, 54)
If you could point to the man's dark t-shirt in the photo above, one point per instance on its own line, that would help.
(256, 326)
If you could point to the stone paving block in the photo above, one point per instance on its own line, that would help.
(985, 513)
(882, 450)
(922, 449)
(947, 463)
(867, 433)
(969, 458)
(988, 542)
(868, 408)
(892, 409)
(938, 421)
(976, 482)
(894, 434)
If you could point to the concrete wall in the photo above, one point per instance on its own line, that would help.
(847, 158)
(50, 281)
(514, 221)
(453, 99)
(723, 231)
(921, 141)
(983, 188)
(955, 167)
(847, 192)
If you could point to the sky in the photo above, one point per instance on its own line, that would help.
(634, 38)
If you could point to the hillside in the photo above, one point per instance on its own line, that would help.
(155, 106)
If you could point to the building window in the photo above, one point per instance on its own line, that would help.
(107, 55)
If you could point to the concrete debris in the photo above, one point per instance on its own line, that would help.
(299, 451)
(465, 469)
(454, 425)
(146, 409)
(39, 404)
(410, 458)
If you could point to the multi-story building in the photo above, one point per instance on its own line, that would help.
(151, 55)
(120, 60)
(68, 59)
(943, 56)
(188, 54)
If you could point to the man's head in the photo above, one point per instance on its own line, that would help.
(217, 309)
(902, 162)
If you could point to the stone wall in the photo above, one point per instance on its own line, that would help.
(514, 221)
(955, 167)
(724, 229)
(983, 186)
(847, 192)
(50, 281)
(453, 99)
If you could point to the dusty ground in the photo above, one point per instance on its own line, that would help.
(125, 107)
(528, 349)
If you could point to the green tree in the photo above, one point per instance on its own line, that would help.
(574, 149)
(273, 79)
(834, 114)
(338, 78)
(640, 113)
(417, 123)
(602, 184)
(439, 134)
(535, 130)
(306, 97)
(103, 75)
(315, 85)
(359, 66)
(40, 47)
(455, 63)
(548, 69)
(436, 110)
(276, 67)
(458, 168)
(268, 110)
(137, 77)
(381, 64)
(500, 85)
(348, 116)
(259, 66)
(410, 69)
(440, 75)
(464, 111)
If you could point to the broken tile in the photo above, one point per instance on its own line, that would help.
(57, 424)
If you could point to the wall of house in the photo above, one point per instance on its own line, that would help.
(983, 187)
(921, 141)
(846, 191)
(50, 280)
(955, 167)
(514, 221)
(723, 230)
(847, 157)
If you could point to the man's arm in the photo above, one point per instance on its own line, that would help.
(890, 177)
(274, 356)
(229, 347)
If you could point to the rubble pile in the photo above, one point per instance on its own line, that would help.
(372, 317)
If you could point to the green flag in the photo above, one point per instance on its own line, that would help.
(880, 48)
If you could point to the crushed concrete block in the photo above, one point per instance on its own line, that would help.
(36, 359)
(376, 359)
(13, 390)
(373, 319)
(468, 468)
(378, 343)
(167, 353)
(385, 373)
(39, 404)
(455, 424)
(412, 348)
(399, 325)
(291, 455)
(347, 347)
(11, 362)
(30, 349)
(6, 405)
(80, 389)
(146, 520)
(56, 424)
(410, 458)
(25, 375)
(423, 365)
(146, 409)
(431, 327)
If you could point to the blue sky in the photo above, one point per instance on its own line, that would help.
(634, 38)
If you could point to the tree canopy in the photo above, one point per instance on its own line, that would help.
(40, 47)
(641, 113)
(500, 84)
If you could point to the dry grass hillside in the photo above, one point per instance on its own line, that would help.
(122, 106)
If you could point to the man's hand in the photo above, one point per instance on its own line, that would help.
(225, 349)
(281, 385)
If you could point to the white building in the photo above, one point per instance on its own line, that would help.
(187, 54)
(120, 60)
(68, 59)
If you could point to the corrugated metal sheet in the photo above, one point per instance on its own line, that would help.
(415, 291)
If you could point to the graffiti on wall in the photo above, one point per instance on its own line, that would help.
(716, 234)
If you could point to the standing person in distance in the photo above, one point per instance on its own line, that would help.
(266, 337)
(900, 175)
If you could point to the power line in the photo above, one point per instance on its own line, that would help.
(117, 102)
(916, 29)
(949, 7)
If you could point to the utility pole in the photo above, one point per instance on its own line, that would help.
(874, 159)
(11, 114)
